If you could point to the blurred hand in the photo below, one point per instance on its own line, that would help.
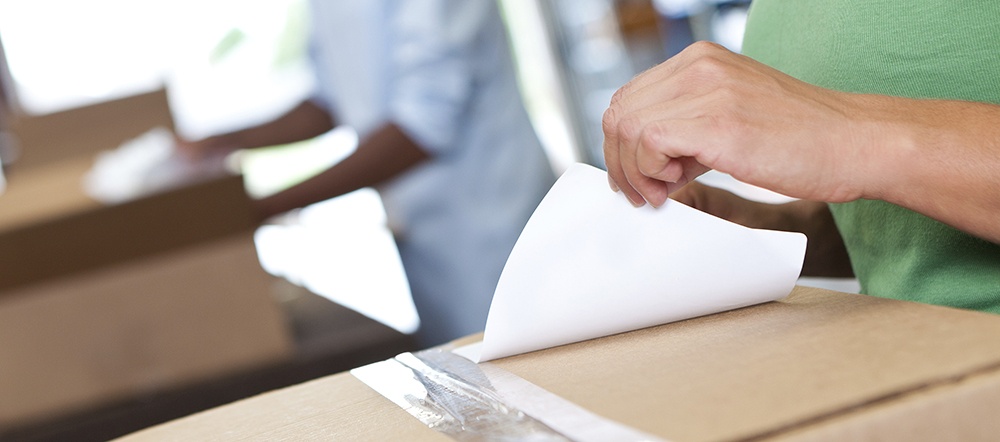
(210, 147)
(708, 108)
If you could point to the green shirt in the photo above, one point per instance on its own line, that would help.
(947, 49)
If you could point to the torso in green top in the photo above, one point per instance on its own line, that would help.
(947, 49)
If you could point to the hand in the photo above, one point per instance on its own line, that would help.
(210, 147)
(708, 108)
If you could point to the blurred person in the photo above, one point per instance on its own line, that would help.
(430, 88)
(881, 117)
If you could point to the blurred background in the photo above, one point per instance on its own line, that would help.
(89, 235)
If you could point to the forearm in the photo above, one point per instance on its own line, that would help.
(940, 159)
(380, 157)
(302, 122)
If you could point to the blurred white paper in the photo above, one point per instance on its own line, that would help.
(145, 165)
(588, 264)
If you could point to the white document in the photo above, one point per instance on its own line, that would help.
(588, 264)
(146, 165)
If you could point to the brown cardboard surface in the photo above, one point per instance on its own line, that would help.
(50, 228)
(769, 369)
(105, 302)
(964, 409)
(86, 130)
(818, 365)
(333, 408)
(45, 192)
(144, 325)
(100, 302)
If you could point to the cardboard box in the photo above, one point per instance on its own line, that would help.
(50, 228)
(100, 303)
(816, 366)
(134, 328)
(84, 131)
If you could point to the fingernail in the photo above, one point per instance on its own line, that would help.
(635, 203)
(614, 186)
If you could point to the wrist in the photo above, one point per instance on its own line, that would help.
(890, 151)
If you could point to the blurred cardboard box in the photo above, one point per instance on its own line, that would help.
(816, 366)
(50, 228)
(106, 302)
(84, 131)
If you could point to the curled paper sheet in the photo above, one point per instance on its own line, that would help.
(588, 264)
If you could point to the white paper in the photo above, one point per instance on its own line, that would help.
(588, 264)
(146, 165)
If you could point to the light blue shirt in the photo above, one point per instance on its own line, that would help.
(440, 70)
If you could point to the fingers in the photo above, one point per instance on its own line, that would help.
(197, 150)
(650, 156)
(616, 175)
(187, 149)
(614, 186)
(625, 99)
(649, 189)
(642, 179)
(651, 139)
(639, 166)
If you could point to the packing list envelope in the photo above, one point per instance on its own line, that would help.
(588, 264)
